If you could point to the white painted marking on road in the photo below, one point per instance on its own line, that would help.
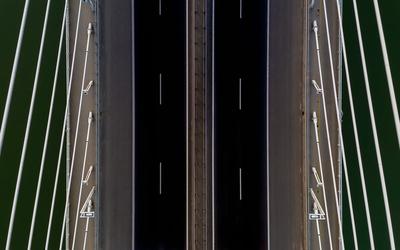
(268, 210)
(159, 7)
(240, 93)
(187, 125)
(160, 179)
(241, 9)
(160, 88)
(213, 126)
(240, 184)
(133, 124)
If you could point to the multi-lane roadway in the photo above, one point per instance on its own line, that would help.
(258, 68)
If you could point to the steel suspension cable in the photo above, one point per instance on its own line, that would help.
(388, 72)
(328, 225)
(372, 117)
(28, 127)
(44, 151)
(89, 33)
(13, 75)
(63, 128)
(328, 137)
(342, 147)
(90, 119)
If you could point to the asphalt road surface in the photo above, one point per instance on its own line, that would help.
(160, 161)
(286, 124)
(241, 117)
(115, 162)
(240, 124)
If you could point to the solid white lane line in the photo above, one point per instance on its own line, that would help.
(213, 125)
(159, 7)
(187, 125)
(268, 195)
(133, 123)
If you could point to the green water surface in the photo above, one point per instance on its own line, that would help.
(10, 19)
(390, 10)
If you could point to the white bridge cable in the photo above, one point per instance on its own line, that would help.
(341, 142)
(88, 213)
(28, 127)
(388, 73)
(360, 162)
(44, 151)
(90, 120)
(329, 139)
(372, 116)
(89, 33)
(319, 236)
(13, 75)
(63, 129)
(86, 233)
(315, 121)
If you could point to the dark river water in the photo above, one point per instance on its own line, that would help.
(384, 120)
(10, 19)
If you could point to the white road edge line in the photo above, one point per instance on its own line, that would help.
(187, 124)
(268, 195)
(213, 125)
(133, 121)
